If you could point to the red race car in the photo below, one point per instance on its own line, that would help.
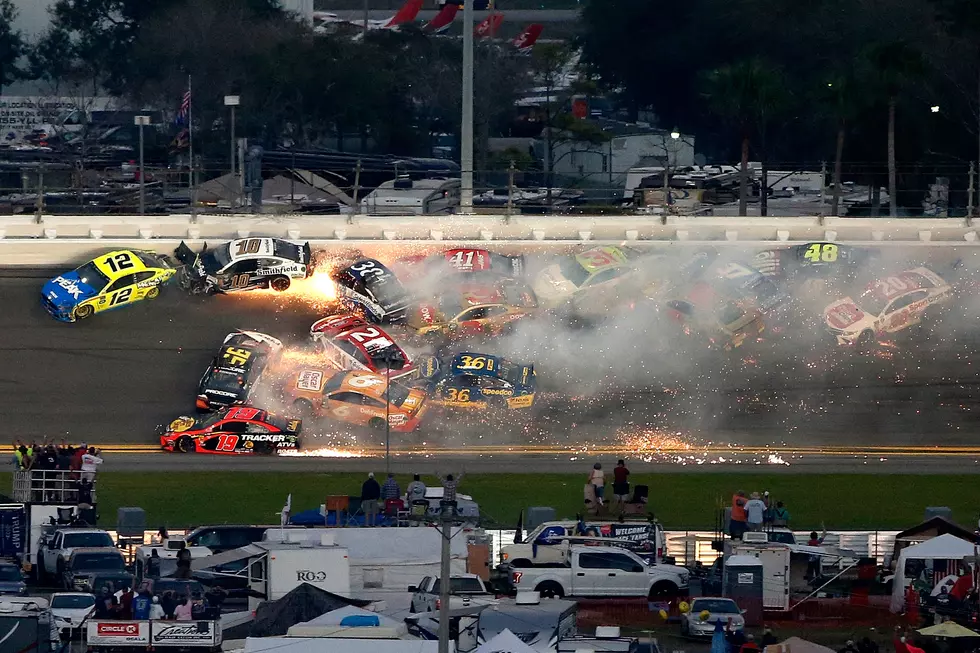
(349, 343)
(460, 261)
(235, 430)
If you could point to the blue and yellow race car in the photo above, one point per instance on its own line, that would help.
(481, 381)
(109, 281)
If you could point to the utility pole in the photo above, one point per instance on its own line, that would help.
(447, 517)
(367, 11)
(141, 122)
(232, 101)
(466, 131)
(969, 192)
(510, 188)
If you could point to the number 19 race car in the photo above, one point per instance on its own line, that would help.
(888, 305)
(243, 356)
(244, 264)
(236, 430)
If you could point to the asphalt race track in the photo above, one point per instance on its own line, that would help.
(793, 403)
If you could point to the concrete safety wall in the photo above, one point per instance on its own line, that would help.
(66, 239)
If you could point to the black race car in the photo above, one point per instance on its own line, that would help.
(814, 260)
(243, 357)
(368, 286)
(244, 264)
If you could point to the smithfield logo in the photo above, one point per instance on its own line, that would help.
(70, 285)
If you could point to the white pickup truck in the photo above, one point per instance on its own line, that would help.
(601, 571)
(468, 588)
(547, 544)
(57, 548)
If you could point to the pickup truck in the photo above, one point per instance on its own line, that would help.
(548, 543)
(87, 570)
(58, 546)
(601, 571)
(468, 587)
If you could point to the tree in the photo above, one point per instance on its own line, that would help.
(11, 44)
(896, 63)
(747, 94)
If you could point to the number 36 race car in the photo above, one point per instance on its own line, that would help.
(237, 430)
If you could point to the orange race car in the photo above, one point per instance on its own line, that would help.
(475, 308)
(356, 398)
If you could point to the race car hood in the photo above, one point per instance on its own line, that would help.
(426, 315)
(67, 290)
(551, 286)
(846, 315)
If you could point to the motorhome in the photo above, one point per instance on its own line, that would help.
(406, 196)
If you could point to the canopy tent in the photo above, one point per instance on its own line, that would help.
(949, 629)
(797, 645)
(504, 642)
(945, 547)
(300, 604)
(350, 621)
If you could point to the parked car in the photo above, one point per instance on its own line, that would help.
(700, 619)
(468, 587)
(12, 579)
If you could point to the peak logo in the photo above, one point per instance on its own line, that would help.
(70, 285)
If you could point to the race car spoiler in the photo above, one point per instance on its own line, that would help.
(186, 255)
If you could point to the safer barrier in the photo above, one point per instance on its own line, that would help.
(66, 239)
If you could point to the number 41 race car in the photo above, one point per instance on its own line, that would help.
(237, 430)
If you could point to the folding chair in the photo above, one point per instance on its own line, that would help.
(418, 511)
(393, 507)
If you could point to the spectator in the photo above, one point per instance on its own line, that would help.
(153, 565)
(214, 599)
(737, 523)
(183, 563)
(18, 459)
(198, 608)
(813, 564)
(126, 604)
(768, 638)
(76, 461)
(103, 604)
(849, 647)
(779, 515)
(185, 610)
(84, 494)
(156, 610)
(597, 479)
(64, 456)
(25, 457)
(370, 493)
(735, 637)
(416, 490)
(90, 463)
(390, 489)
(141, 605)
(755, 512)
(169, 603)
(115, 608)
(749, 645)
(449, 485)
(621, 484)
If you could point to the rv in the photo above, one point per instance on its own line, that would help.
(406, 196)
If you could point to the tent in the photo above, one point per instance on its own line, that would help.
(350, 621)
(949, 629)
(504, 642)
(797, 645)
(944, 547)
(298, 605)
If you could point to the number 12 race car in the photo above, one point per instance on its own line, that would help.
(237, 430)
(888, 305)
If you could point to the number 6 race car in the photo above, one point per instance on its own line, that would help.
(888, 305)
(108, 282)
(237, 430)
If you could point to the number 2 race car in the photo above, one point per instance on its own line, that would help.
(244, 264)
(243, 356)
(108, 282)
(888, 305)
(236, 430)
(350, 343)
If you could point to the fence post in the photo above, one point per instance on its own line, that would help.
(823, 185)
(969, 192)
(510, 189)
(39, 204)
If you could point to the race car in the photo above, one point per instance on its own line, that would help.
(367, 285)
(720, 321)
(349, 343)
(482, 381)
(748, 283)
(235, 430)
(888, 305)
(107, 282)
(462, 261)
(591, 282)
(359, 398)
(814, 260)
(236, 368)
(474, 309)
(244, 264)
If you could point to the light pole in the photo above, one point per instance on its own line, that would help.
(232, 101)
(387, 413)
(668, 145)
(466, 130)
(141, 122)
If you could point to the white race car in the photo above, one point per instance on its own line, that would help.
(888, 305)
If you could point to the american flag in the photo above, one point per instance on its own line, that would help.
(185, 109)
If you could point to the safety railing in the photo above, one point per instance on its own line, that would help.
(48, 486)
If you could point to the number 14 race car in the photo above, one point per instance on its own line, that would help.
(237, 430)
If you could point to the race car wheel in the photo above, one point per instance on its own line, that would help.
(184, 445)
(153, 292)
(84, 311)
(377, 423)
(304, 407)
(280, 284)
(264, 449)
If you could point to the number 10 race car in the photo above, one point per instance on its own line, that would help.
(237, 430)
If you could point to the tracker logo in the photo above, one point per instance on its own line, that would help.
(264, 437)
(70, 285)
(118, 629)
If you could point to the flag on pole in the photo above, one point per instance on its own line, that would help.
(185, 109)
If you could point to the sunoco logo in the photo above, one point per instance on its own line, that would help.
(305, 575)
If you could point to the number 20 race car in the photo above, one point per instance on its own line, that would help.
(237, 430)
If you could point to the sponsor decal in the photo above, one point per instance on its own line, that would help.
(395, 420)
(264, 437)
(499, 393)
(148, 284)
(310, 380)
(189, 633)
(280, 269)
(524, 401)
(221, 393)
(69, 285)
(118, 632)
(426, 313)
(308, 576)
(117, 628)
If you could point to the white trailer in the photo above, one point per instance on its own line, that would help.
(405, 196)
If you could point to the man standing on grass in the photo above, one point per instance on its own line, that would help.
(370, 493)
(390, 490)
(621, 484)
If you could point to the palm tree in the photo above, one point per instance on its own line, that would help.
(844, 96)
(747, 94)
(895, 63)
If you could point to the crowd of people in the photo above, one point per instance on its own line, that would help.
(376, 497)
(143, 603)
(753, 512)
(82, 460)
